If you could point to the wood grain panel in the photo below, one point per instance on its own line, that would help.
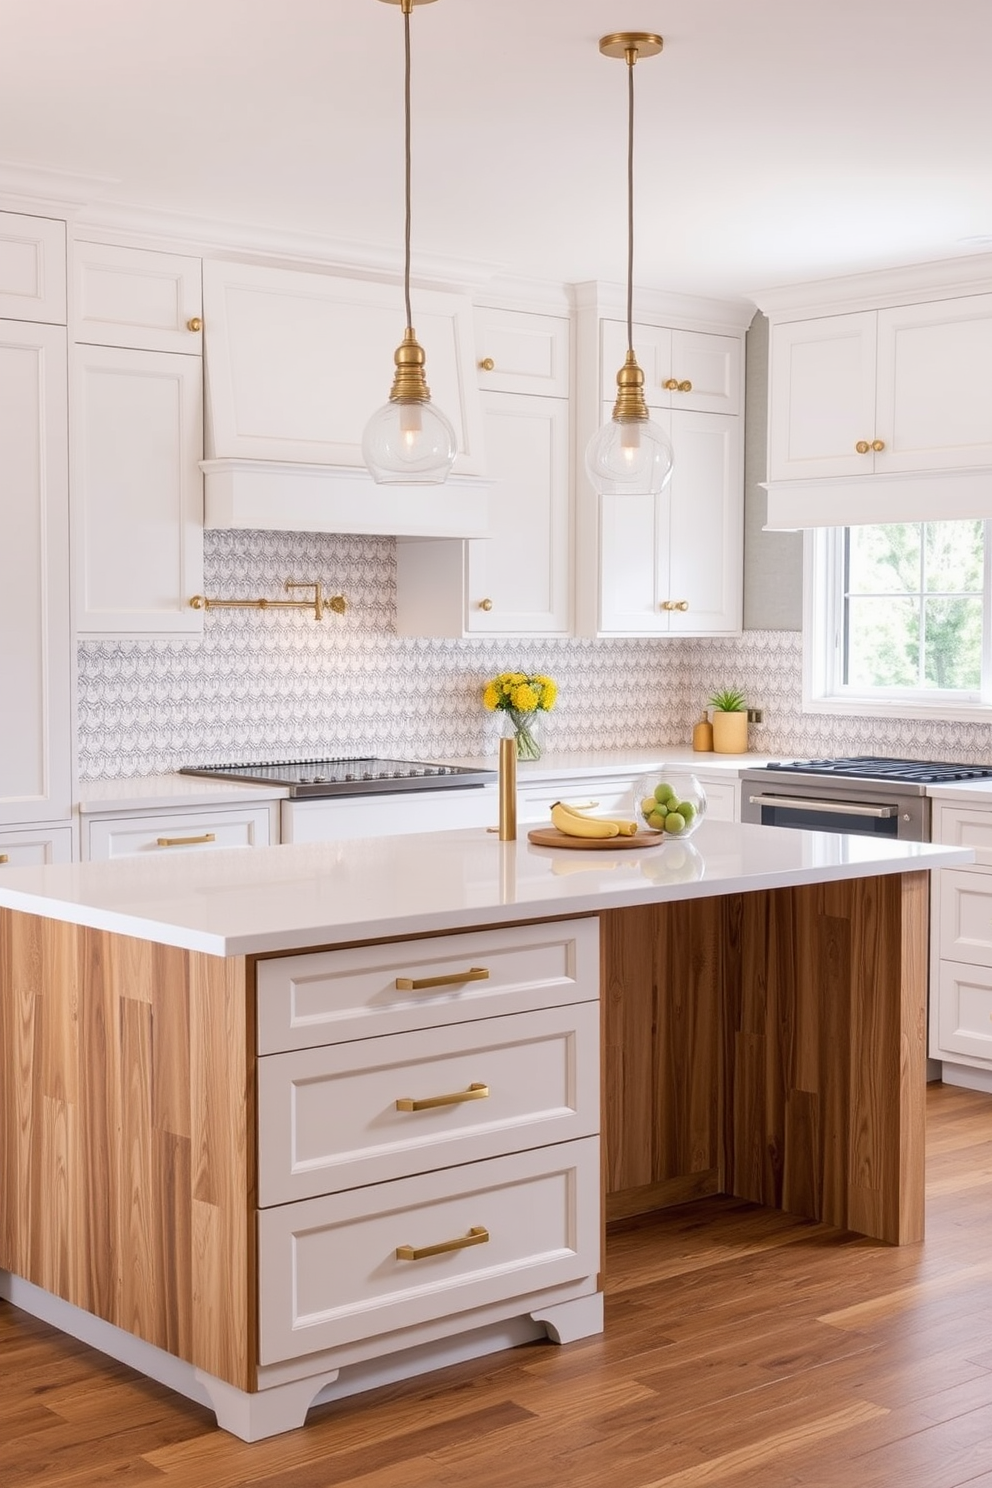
(778, 1037)
(127, 1135)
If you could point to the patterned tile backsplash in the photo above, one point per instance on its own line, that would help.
(280, 685)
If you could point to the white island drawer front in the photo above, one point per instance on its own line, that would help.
(333, 996)
(329, 1272)
(34, 846)
(965, 915)
(183, 831)
(361, 1113)
(963, 1012)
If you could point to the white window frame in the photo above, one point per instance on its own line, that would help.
(823, 621)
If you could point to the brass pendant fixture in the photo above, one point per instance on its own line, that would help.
(631, 455)
(408, 441)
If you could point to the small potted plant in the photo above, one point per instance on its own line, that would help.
(729, 721)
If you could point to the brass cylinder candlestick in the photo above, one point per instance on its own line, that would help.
(507, 790)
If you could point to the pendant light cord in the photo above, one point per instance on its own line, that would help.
(631, 58)
(407, 165)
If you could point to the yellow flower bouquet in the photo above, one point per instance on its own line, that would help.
(522, 698)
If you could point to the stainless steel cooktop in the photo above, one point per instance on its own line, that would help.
(874, 767)
(354, 777)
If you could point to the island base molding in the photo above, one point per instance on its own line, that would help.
(284, 1403)
(787, 1058)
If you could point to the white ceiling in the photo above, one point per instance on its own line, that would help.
(777, 140)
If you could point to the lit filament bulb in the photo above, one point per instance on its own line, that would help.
(411, 425)
(630, 441)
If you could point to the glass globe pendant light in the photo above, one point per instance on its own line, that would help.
(631, 455)
(408, 441)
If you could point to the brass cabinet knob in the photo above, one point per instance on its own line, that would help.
(485, 604)
(862, 446)
(674, 604)
(195, 324)
(671, 384)
(4, 858)
(685, 387)
(487, 364)
(878, 445)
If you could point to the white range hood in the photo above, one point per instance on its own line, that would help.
(286, 497)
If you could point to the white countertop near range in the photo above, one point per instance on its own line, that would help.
(964, 793)
(166, 792)
(232, 902)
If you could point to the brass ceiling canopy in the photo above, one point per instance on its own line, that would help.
(407, 4)
(620, 43)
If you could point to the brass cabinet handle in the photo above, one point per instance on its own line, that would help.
(429, 1102)
(862, 447)
(487, 364)
(485, 604)
(477, 1235)
(671, 384)
(4, 857)
(185, 841)
(475, 974)
(878, 445)
(674, 604)
(685, 387)
(194, 324)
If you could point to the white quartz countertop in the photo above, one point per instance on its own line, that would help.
(242, 901)
(976, 792)
(170, 792)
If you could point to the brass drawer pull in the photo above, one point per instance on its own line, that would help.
(477, 1235)
(409, 984)
(185, 841)
(474, 1092)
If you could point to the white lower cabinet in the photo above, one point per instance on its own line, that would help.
(615, 793)
(428, 1141)
(35, 846)
(342, 818)
(961, 948)
(127, 834)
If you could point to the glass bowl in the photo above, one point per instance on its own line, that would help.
(659, 799)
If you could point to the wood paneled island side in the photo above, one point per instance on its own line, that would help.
(169, 1034)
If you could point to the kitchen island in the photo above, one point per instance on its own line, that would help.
(278, 1125)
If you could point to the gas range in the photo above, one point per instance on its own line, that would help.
(861, 794)
(874, 767)
(348, 777)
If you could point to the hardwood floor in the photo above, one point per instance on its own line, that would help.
(743, 1348)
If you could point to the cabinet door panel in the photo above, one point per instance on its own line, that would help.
(137, 492)
(964, 1017)
(822, 396)
(129, 297)
(966, 916)
(934, 376)
(712, 365)
(34, 566)
(523, 566)
(529, 352)
(705, 544)
(634, 558)
(32, 268)
(31, 848)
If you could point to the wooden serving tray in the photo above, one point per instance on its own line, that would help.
(551, 837)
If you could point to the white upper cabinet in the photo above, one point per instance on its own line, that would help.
(698, 371)
(517, 580)
(296, 363)
(522, 352)
(35, 682)
(137, 491)
(901, 389)
(671, 564)
(130, 297)
(32, 268)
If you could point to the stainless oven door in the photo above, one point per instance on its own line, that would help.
(861, 808)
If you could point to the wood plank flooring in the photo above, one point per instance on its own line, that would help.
(743, 1348)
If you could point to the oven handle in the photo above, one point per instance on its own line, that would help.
(810, 803)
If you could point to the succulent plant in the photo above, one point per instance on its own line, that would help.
(728, 700)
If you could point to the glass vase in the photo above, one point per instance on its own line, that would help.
(525, 729)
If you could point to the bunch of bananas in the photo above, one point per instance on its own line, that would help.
(573, 822)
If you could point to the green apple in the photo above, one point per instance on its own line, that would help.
(663, 793)
(686, 809)
(657, 820)
(675, 822)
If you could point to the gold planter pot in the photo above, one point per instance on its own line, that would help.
(729, 732)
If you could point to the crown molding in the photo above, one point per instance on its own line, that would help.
(879, 288)
(680, 311)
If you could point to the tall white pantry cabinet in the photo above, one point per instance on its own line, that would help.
(35, 655)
